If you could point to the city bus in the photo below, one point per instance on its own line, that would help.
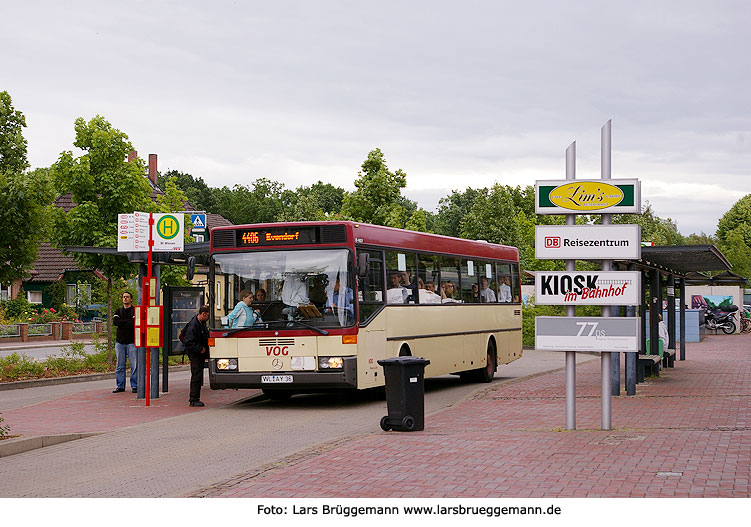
(330, 299)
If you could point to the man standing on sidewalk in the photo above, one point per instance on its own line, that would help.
(125, 344)
(197, 347)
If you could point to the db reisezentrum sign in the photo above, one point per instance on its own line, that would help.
(582, 196)
(588, 242)
(581, 288)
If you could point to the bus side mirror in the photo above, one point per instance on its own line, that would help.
(191, 268)
(363, 263)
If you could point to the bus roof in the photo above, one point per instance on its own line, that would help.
(390, 237)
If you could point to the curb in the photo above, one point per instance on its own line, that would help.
(35, 383)
(9, 447)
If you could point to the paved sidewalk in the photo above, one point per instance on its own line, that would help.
(686, 434)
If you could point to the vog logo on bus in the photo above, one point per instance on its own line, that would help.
(586, 195)
(277, 350)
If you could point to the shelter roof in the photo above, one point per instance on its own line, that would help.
(682, 259)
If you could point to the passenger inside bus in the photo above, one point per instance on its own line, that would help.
(505, 290)
(486, 294)
(448, 292)
(243, 315)
(294, 294)
(339, 298)
(427, 296)
(396, 294)
(475, 294)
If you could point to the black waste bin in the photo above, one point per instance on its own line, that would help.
(405, 393)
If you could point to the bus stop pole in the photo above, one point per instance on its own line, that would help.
(571, 310)
(607, 265)
(682, 283)
(631, 357)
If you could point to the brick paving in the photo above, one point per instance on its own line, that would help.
(102, 411)
(686, 434)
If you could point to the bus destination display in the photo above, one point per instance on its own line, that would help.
(278, 236)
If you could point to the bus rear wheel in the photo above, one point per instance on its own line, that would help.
(486, 373)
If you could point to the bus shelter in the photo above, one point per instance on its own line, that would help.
(664, 273)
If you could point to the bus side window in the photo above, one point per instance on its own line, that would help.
(470, 292)
(428, 279)
(515, 285)
(401, 282)
(449, 289)
(504, 283)
(488, 285)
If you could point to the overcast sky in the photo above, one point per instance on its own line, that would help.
(456, 94)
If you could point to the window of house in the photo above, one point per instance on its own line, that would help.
(78, 294)
(34, 297)
(5, 292)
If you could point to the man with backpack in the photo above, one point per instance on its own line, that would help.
(125, 347)
(196, 341)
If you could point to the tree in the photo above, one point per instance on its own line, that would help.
(492, 217)
(172, 200)
(103, 184)
(736, 249)
(12, 142)
(318, 202)
(653, 228)
(263, 202)
(195, 190)
(739, 214)
(378, 198)
(25, 197)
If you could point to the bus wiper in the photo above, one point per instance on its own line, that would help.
(230, 331)
(319, 330)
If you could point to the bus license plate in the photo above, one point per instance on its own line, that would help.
(276, 378)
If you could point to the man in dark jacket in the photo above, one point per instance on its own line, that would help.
(197, 347)
(125, 344)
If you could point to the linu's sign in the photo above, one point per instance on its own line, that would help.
(591, 196)
(603, 288)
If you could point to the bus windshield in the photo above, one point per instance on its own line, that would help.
(289, 288)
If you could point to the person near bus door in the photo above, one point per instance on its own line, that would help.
(197, 348)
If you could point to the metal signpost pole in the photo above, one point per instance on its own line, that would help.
(146, 303)
(571, 310)
(606, 266)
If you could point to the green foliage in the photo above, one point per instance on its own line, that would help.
(260, 203)
(73, 360)
(103, 185)
(25, 206)
(453, 208)
(18, 308)
(492, 217)
(736, 249)
(196, 191)
(654, 229)
(529, 312)
(318, 202)
(4, 429)
(12, 142)
(173, 200)
(378, 198)
(700, 239)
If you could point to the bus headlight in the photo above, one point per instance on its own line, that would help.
(330, 363)
(226, 364)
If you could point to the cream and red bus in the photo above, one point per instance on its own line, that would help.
(332, 298)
